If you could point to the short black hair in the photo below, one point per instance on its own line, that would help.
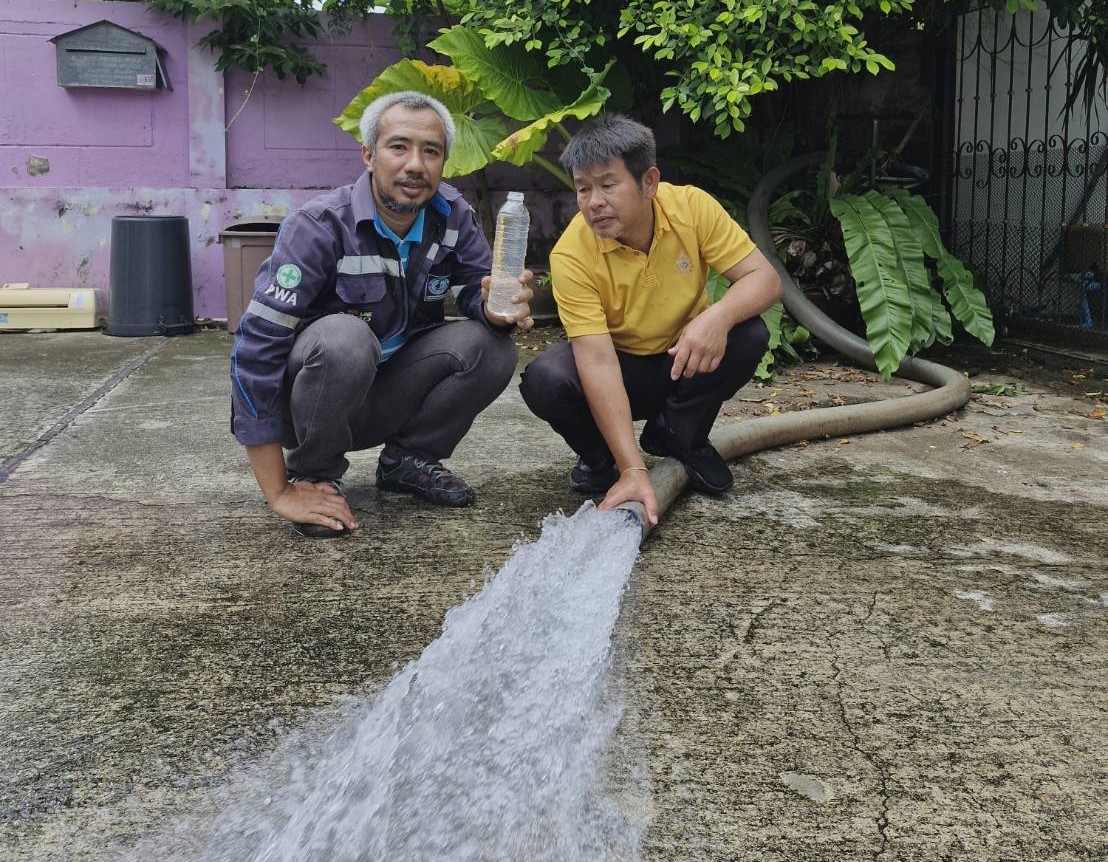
(608, 137)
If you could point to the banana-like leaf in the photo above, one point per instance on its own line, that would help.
(514, 79)
(928, 316)
(925, 224)
(520, 146)
(475, 136)
(871, 247)
(910, 267)
(966, 300)
(940, 323)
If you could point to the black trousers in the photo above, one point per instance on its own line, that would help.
(552, 390)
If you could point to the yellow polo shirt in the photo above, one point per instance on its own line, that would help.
(644, 300)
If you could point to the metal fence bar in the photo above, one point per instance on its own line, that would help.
(1028, 185)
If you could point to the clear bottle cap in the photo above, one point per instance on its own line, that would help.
(515, 196)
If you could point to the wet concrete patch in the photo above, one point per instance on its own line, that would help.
(161, 630)
(147, 652)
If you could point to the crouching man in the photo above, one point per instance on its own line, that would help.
(344, 345)
(629, 276)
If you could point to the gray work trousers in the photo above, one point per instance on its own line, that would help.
(423, 400)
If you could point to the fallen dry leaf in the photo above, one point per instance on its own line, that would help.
(974, 438)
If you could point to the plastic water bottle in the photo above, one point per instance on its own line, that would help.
(509, 253)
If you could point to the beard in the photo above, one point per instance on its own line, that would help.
(396, 205)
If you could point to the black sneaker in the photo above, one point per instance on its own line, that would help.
(429, 480)
(592, 480)
(318, 531)
(707, 470)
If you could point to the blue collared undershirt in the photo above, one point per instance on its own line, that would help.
(413, 237)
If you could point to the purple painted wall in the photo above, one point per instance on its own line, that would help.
(71, 159)
(89, 137)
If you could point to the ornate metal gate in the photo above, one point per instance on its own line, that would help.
(1029, 196)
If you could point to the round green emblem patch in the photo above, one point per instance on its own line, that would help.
(288, 276)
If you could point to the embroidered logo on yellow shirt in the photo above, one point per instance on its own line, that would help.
(683, 262)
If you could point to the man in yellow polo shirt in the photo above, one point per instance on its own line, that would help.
(629, 276)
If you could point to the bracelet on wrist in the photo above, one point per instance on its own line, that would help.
(628, 469)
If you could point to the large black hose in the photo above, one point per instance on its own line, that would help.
(951, 392)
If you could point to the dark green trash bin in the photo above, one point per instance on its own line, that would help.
(151, 277)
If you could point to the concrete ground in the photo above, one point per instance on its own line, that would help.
(892, 646)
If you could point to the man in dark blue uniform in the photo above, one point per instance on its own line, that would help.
(343, 346)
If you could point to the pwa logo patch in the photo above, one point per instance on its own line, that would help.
(437, 286)
(288, 276)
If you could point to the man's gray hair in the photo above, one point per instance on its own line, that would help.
(608, 137)
(411, 100)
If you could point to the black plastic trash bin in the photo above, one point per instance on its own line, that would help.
(151, 277)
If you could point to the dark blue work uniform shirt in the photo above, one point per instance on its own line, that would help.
(329, 257)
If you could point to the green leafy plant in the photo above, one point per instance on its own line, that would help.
(718, 54)
(887, 236)
(479, 126)
(789, 342)
(487, 90)
(254, 36)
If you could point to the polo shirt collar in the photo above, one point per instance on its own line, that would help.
(414, 234)
(364, 207)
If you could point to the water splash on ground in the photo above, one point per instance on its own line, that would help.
(492, 746)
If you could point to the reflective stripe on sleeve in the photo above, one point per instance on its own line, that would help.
(450, 238)
(272, 315)
(368, 264)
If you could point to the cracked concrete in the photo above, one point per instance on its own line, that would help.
(891, 647)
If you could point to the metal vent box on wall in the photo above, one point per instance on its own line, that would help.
(107, 55)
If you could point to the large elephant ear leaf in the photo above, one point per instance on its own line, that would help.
(445, 83)
(522, 145)
(515, 80)
(473, 143)
(881, 288)
(966, 299)
(475, 137)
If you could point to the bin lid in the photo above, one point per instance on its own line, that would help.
(259, 226)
